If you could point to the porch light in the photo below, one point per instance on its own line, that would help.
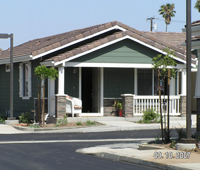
(5, 36)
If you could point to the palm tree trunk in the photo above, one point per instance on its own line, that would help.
(166, 28)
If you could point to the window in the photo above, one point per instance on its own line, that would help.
(25, 80)
(7, 67)
(144, 81)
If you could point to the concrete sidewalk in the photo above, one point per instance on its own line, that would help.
(130, 153)
(109, 124)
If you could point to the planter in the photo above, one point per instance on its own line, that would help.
(120, 112)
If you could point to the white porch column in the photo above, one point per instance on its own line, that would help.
(80, 75)
(172, 87)
(135, 81)
(61, 80)
(183, 82)
(51, 97)
(101, 91)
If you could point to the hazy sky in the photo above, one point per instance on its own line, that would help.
(31, 19)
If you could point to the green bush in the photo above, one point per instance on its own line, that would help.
(62, 122)
(2, 118)
(24, 118)
(150, 116)
(181, 132)
(88, 123)
(78, 123)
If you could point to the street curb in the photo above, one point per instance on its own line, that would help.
(137, 161)
(49, 129)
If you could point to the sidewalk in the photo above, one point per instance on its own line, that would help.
(130, 153)
(109, 124)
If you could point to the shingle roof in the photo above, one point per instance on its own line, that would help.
(38, 46)
(42, 45)
(174, 38)
(145, 37)
(195, 23)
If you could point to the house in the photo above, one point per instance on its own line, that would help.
(98, 64)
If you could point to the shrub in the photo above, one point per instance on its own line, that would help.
(88, 123)
(150, 116)
(62, 122)
(181, 132)
(24, 118)
(78, 123)
(2, 118)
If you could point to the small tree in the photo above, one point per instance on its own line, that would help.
(161, 64)
(42, 72)
(197, 5)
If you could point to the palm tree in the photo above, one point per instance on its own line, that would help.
(167, 11)
(197, 5)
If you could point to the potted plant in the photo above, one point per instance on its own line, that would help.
(118, 107)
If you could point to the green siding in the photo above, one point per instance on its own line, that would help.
(118, 81)
(72, 82)
(125, 51)
(19, 105)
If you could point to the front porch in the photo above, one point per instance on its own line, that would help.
(109, 85)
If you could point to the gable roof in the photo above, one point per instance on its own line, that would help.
(43, 46)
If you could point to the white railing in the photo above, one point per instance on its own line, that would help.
(142, 103)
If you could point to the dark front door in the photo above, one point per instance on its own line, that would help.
(87, 90)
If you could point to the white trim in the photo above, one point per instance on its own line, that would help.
(21, 81)
(16, 59)
(101, 90)
(80, 82)
(117, 40)
(113, 65)
(77, 41)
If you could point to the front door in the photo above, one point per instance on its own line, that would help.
(90, 90)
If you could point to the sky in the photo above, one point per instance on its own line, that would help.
(31, 19)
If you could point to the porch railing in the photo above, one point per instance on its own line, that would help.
(142, 103)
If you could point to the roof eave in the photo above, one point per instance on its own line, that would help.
(16, 59)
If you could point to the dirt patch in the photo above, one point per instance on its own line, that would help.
(169, 147)
(69, 124)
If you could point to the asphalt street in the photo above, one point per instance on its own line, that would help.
(62, 156)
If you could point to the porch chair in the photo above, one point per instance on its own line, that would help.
(73, 105)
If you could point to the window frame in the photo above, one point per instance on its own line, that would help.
(25, 80)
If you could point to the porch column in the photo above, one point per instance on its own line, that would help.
(127, 105)
(182, 104)
(101, 91)
(61, 80)
(51, 97)
(172, 88)
(60, 97)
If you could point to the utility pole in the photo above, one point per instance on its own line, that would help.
(152, 18)
(188, 66)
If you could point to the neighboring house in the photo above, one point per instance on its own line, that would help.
(98, 64)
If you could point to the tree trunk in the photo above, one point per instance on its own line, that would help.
(168, 84)
(43, 106)
(39, 104)
(166, 28)
(161, 121)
